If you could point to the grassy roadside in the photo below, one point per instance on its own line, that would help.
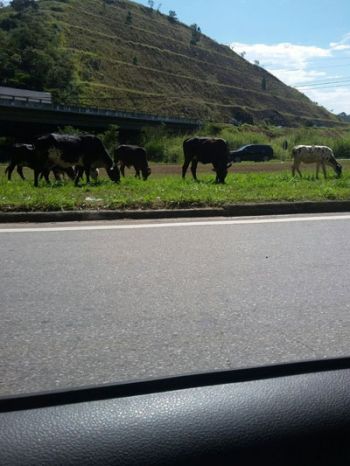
(169, 191)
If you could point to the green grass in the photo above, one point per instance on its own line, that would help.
(170, 192)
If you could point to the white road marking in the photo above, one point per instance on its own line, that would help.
(136, 226)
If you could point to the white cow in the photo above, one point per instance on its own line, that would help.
(320, 155)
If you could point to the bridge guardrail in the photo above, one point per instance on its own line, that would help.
(26, 103)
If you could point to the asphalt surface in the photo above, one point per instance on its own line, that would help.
(82, 307)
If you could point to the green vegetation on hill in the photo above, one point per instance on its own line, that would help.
(163, 146)
(32, 54)
(119, 54)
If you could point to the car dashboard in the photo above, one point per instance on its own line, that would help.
(289, 414)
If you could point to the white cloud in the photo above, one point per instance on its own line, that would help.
(343, 44)
(296, 76)
(286, 53)
(336, 100)
(298, 65)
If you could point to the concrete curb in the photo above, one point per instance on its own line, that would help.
(234, 210)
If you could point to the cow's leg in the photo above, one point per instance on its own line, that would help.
(93, 174)
(317, 169)
(137, 173)
(36, 177)
(57, 174)
(79, 174)
(215, 169)
(70, 172)
(20, 171)
(9, 170)
(122, 169)
(87, 172)
(45, 174)
(324, 170)
(296, 168)
(185, 167)
(144, 174)
(194, 168)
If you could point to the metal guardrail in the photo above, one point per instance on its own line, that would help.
(25, 94)
(95, 111)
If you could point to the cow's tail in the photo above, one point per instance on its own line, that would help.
(228, 156)
(294, 152)
(184, 144)
(185, 148)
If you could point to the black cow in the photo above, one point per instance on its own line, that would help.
(21, 155)
(132, 156)
(206, 150)
(85, 152)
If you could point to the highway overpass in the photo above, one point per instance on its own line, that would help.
(21, 118)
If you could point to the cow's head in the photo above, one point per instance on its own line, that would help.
(114, 173)
(338, 170)
(146, 173)
(221, 173)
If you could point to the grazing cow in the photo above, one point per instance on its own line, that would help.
(132, 156)
(21, 155)
(206, 150)
(321, 155)
(84, 152)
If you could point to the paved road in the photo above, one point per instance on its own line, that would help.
(136, 300)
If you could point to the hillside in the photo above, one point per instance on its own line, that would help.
(119, 54)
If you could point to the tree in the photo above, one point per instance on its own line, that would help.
(128, 18)
(172, 17)
(30, 57)
(196, 34)
(21, 5)
(263, 84)
(151, 4)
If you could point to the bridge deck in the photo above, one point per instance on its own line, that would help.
(26, 111)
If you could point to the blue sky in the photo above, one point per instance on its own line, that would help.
(305, 43)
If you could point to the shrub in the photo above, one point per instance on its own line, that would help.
(128, 19)
(155, 151)
(172, 16)
(195, 34)
(341, 148)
